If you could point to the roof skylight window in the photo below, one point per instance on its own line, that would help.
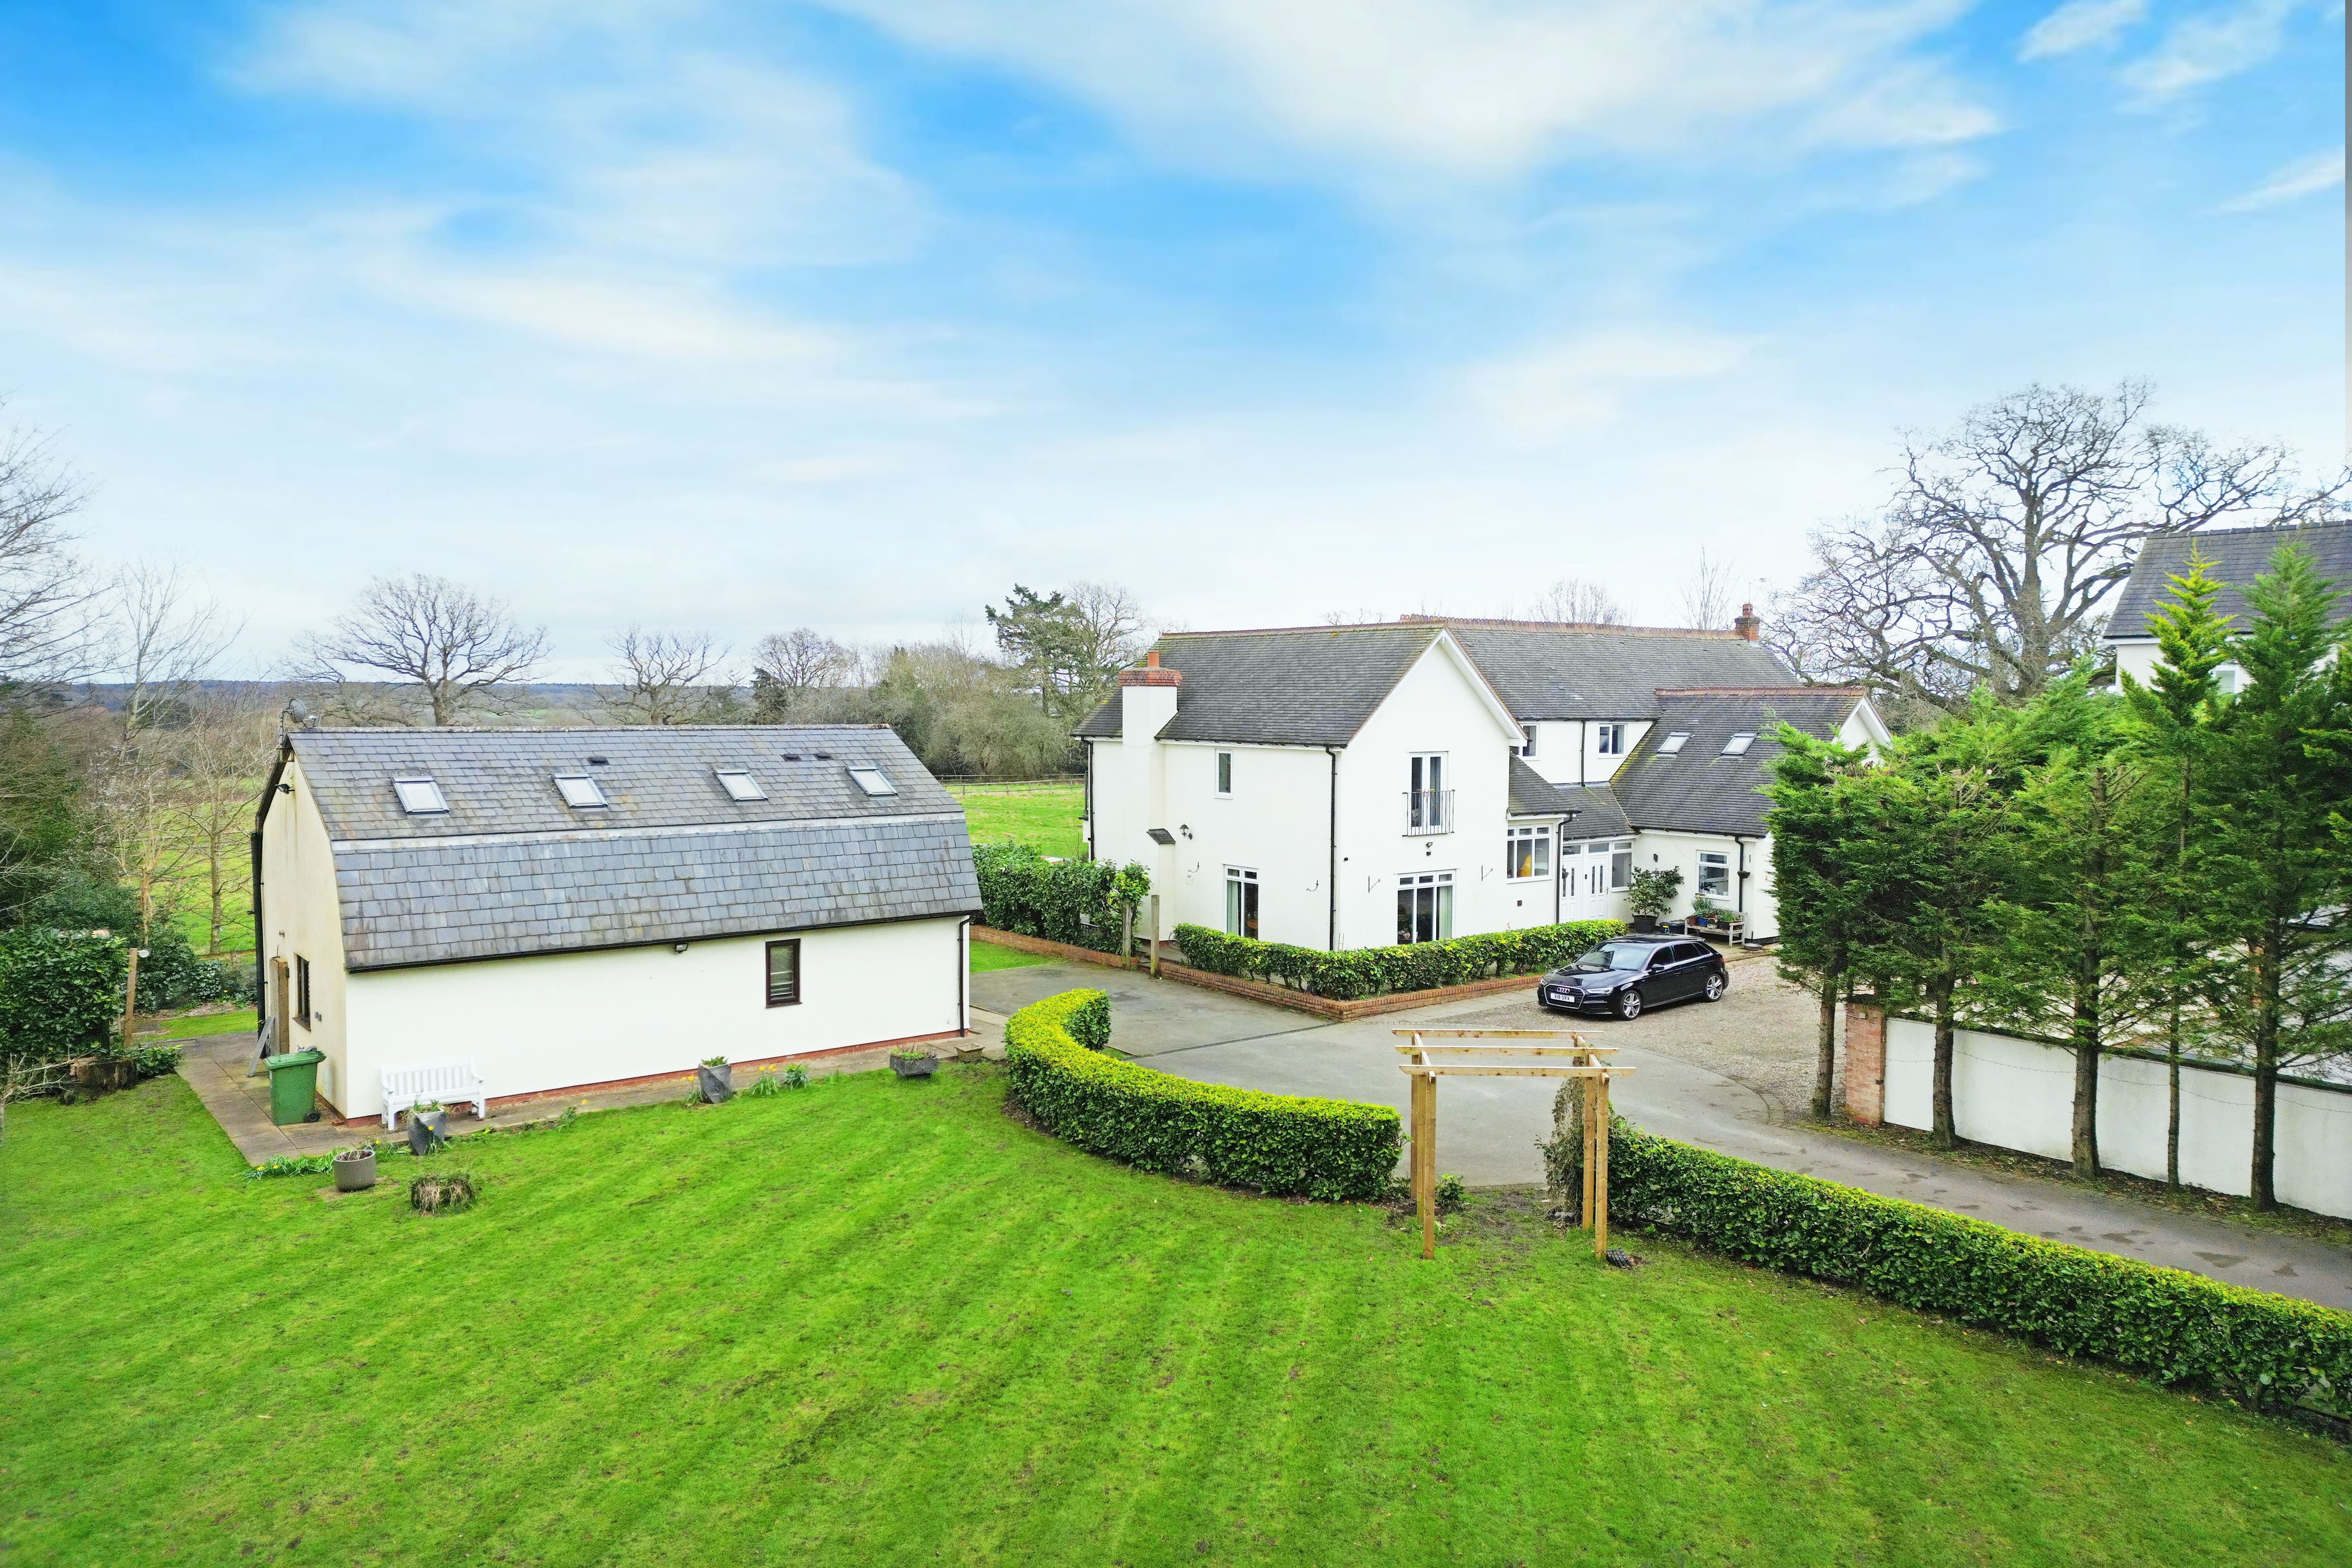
(579, 790)
(419, 796)
(873, 780)
(1673, 742)
(740, 785)
(1739, 744)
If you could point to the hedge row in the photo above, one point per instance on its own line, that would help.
(2182, 1327)
(1077, 901)
(1329, 1149)
(1368, 971)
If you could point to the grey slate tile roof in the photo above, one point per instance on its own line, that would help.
(1598, 816)
(1700, 790)
(511, 870)
(1315, 685)
(2238, 555)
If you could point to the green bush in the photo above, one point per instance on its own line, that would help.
(171, 975)
(60, 994)
(1077, 901)
(2180, 1328)
(1369, 970)
(155, 1061)
(1329, 1149)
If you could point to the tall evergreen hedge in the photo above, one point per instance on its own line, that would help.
(1077, 901)
(61, 992)
(1331, 1149)
(2181, 1328)
(1369, 970)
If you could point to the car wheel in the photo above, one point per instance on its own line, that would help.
(1628, 1003)
(1717, 984)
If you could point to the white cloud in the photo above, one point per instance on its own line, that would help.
(2210, 47)
(2079, 24)
(1535, 399)
(2304, 177)
(1479, 88)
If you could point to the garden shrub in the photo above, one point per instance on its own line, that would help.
(2178, 1327)
(155, 1061)
(172, 975)
(1329, 1149)
(60, 994)
(1077, 901)
(1367, 972)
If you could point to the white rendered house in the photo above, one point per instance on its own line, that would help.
(571, 908)
(1356, 786)
(2234, 557)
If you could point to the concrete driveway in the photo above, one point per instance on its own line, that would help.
(1690, 1062)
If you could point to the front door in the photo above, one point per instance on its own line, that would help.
(1583, 882)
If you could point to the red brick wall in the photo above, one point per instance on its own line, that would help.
(1865, 1061)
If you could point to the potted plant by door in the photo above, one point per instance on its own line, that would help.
(429, 1127)
(1653, 895)
(355, 1169)
(716, 1080)
(909, 1062)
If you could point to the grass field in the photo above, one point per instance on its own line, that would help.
(187, 1026)
(986, 956)
(1044, 815)
(880, 1322)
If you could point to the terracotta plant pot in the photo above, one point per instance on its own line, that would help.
(355, 1171)
(718, 1083)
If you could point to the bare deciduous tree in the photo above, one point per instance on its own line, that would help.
(160, 638)
(1112, 630)
(1576, 602)
(44, 594)
(789, 667)
(453, 643)
(1707, 592)
(2005, 537)
(226, 750)
(662, 675)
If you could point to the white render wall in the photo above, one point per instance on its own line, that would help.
(1567, 749)
(302, 916)
(1655, 851)
(566, 1019)
(2019, 1094)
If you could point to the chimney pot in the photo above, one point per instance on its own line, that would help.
(1151, 659)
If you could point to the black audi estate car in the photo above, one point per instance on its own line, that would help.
(1627, 974)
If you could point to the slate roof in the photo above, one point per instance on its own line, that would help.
(2238, 555)
(1700, 790)
(510, 870)
(1532, 795)
(1315, 685)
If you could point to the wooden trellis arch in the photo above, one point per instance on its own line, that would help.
(1584, 1060)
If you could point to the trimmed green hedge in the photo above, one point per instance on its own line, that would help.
(2179, 1327)
(1329, 1149)
(1368, 971)
(1077, 901)
(60, 994)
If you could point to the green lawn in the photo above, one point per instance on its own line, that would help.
(987, 955)
(880, 1322)
(187, 1026)
(1044, 815)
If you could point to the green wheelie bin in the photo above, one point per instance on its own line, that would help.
(293, 1086)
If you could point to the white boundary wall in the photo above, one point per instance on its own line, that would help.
(2020, 1094)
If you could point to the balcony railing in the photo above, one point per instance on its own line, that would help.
(1428, 811)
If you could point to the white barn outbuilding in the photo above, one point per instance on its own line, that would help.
(572, 909)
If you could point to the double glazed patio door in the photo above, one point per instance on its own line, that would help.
(1424, 907)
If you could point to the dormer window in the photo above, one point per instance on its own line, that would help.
(1673, 742)
(419, 796)
(873, 780)
(580, 791)
(1739, 744)
(740, 785)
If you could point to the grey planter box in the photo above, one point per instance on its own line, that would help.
(427, 1130)
(355, 1173)
(914, 1066)
(718, 1083)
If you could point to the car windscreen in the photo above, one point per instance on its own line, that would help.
(1616, 955)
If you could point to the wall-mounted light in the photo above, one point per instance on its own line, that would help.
(679, 947)
(1183, 829)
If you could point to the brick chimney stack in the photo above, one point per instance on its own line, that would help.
(1747, 626)
(1149, 673)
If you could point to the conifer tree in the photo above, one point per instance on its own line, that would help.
(1821, 878)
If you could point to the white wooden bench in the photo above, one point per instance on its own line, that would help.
(444, 1081)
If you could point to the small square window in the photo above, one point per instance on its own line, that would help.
(784, 973)
(1714, 873)
(1739, 744)
(873, 780)
(1673, 742)
(579, 790)
(419, 796)
(1611, 738)
(740, 785)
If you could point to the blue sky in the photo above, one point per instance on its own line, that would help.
(741, 317)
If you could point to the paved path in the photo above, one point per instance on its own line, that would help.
(1488, 1128)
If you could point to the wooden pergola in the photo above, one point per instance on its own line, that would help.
(1582, 1059)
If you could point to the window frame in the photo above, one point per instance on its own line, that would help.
(1439, 887)
(1714, 860)
(602, 803)
(440, 797)
(1527, 740)
(1621, 864)
(724, 775)
(1537, 835)
(768, 972)
(1244, 903)
(1672, 746)
(302, 989)
(1740, 741)
(890, 785)
(1609, 740)
(1224, 776)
